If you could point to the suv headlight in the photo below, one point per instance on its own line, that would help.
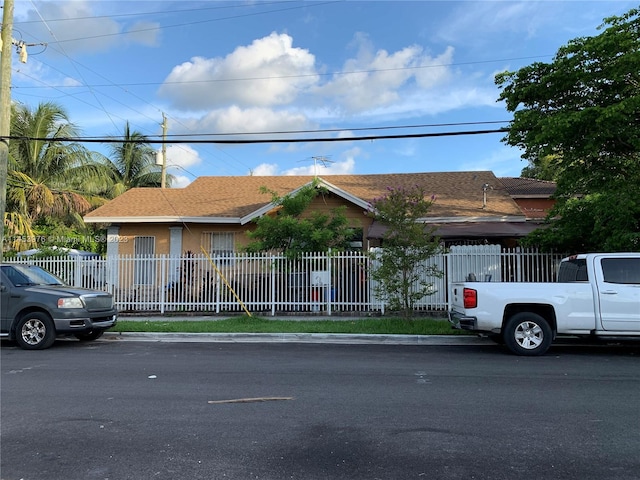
(70, 302)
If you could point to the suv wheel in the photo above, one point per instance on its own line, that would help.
(35, 331)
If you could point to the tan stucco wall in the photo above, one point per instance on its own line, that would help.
(192, 238)
(128, 232)
(192, 233)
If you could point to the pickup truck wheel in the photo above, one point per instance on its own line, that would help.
(527, 333)
(35, 331)
(89, 337)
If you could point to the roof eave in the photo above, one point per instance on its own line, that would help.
(541, 196)
(491, 219)
(346, 195)
(163, 219)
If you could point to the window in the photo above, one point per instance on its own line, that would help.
(355, 242)
(218, 244)
(144, 270)
(621, 270)
(574, 270)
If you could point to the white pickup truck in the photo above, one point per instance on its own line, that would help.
(596, 295)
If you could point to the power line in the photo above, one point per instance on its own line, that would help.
(91, 89)
(333, 130)
(139, 14)
(317, 74)
(263, 140)
(75, 64)
(187, 24)
(181, 139)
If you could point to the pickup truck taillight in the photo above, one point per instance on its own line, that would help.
(470, 298)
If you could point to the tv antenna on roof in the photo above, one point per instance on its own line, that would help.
(320, 159)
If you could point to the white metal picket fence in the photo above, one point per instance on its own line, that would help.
(327, 283)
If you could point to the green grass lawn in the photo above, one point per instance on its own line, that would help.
(246, 324)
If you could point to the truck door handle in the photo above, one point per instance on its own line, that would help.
(609, 292)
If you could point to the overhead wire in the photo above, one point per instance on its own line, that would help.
(138, 14)
(85, 84)
(264, 140)
(303, 75)
(44, 22)
(180, 139)
(350, 129)
(199, 22)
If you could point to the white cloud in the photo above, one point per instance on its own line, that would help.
(265, 170)
(377, 84)
(237, 120)
(75, 26)
(416, 104)
(180, 181)
(182, 156)
(484, 20)
(319, 169)
(376, 79)
(268, 72)
(343, 167)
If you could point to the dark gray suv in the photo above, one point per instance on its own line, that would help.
(36, 306)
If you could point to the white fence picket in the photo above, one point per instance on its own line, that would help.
(327, 283)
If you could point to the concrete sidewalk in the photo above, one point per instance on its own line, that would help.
(213, 318)
(335, 338)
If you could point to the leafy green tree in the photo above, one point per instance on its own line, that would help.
(402, 270)
(48, 176)
(583, 109)
(600, 222)
(132, 164)
(294, 229)
(545, 168)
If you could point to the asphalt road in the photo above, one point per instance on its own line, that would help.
(142, 410)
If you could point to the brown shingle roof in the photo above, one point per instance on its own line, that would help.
(527, 187)
(459, 194)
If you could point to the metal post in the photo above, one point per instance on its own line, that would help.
(163, 180)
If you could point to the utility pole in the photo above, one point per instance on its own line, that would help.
(5, 110)
(163, 181)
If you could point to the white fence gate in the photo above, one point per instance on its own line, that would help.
(482, 263)
(327, 283)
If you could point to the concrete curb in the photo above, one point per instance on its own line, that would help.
(334, 338)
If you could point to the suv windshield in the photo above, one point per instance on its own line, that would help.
(21, 275)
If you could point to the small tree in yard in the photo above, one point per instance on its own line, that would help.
(291, 233)
(403, 269)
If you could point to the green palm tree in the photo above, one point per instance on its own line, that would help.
(133, 164)
(48, 176)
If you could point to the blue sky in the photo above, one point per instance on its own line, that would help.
(334, 69)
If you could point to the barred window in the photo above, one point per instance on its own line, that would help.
(219, 244)
(144, 249)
